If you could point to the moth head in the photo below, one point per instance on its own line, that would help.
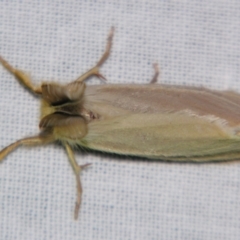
(62, 109)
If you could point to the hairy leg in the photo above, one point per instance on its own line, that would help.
(30, 141)
(77, 170)
(95, 69)
(22, 77)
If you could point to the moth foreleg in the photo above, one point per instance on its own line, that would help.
(77, 171)
(156, 73)
(22, 77)
(30, 141)
(95, 69)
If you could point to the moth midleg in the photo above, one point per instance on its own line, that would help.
(30, 141)
(23, 77)
(77, 170)
(156, 73)
(95, 69)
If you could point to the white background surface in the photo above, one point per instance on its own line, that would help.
(194, 42)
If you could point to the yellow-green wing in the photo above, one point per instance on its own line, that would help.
(170, 136)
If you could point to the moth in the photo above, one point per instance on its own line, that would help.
(149, 120)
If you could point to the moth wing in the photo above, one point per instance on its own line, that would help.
(175, 136)
(117, 100)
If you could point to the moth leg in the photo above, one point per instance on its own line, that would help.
(30, 141)
(156, 74)
(108, 48)
(21, 76)
(77, 170)
(95, 69)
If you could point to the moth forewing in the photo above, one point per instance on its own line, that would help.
(150, 121)
(163, 136)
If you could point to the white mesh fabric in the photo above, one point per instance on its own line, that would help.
(194, 42)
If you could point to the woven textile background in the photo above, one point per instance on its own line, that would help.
(195, 43)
